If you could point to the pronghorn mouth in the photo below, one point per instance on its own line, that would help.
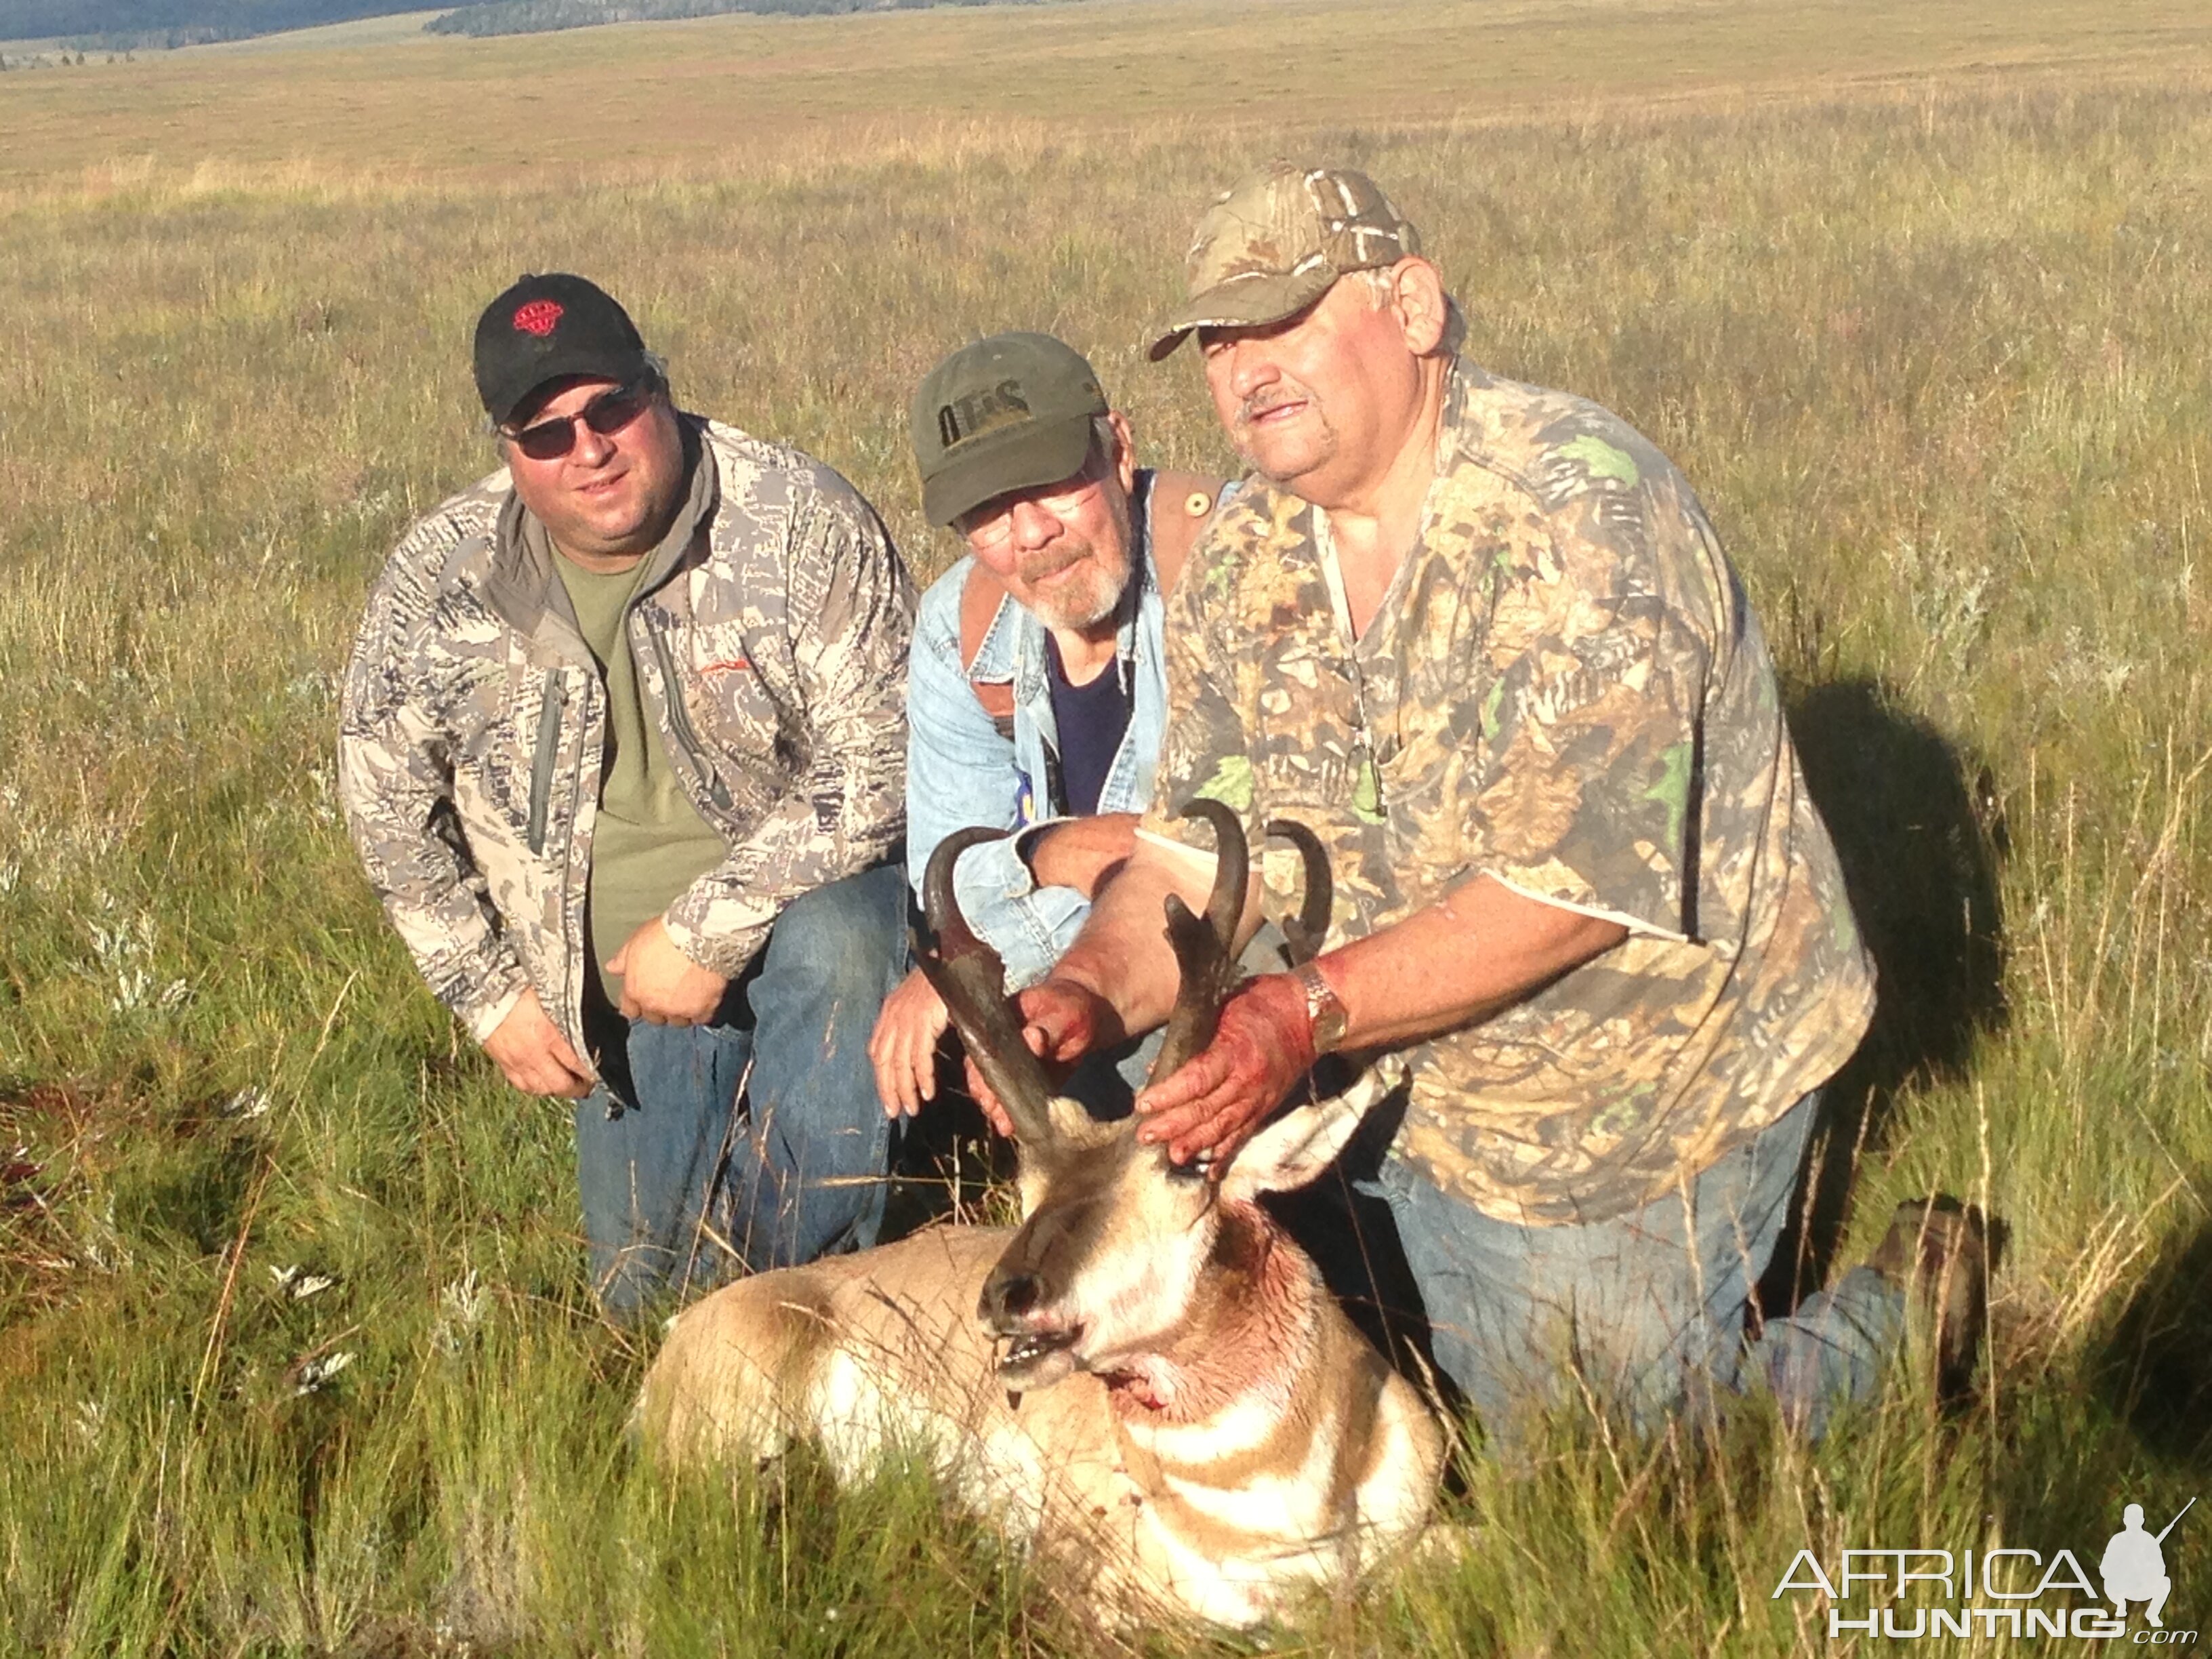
(1027, 1353)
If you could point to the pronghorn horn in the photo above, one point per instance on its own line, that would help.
(972, 979)
(1305, 932)
(1203, 946)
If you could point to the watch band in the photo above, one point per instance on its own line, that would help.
(1325, 1011)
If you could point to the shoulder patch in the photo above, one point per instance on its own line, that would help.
(1601, 459)
(1231, 783)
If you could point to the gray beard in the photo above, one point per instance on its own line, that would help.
(1111, 600)
(1075, 622)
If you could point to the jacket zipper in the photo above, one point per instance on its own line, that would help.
(575, 946)
(549, 710)
(679, 720)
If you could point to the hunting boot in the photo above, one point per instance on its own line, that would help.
(1937, 1251)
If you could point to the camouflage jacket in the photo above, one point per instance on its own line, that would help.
(772, 651)
(1565, 689)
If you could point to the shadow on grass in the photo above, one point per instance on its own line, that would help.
(2153, 1364)
(1921, 838)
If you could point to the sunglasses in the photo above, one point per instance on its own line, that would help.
(606, 414)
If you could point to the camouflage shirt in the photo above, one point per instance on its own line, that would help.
(771, 653)
(1563, 689)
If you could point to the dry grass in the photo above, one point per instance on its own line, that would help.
(1918, 296)
(710, 95)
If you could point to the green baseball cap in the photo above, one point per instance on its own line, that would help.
(1274, 242)
(1010, 412)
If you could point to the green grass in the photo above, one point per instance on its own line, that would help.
(1931, 344)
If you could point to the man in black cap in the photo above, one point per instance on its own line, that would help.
(622, 751)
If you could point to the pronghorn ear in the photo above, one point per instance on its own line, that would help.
(1291, 1151)
(1298, 1146)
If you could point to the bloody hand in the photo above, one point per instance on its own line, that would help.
(1263, 1046)
(1061, 1021)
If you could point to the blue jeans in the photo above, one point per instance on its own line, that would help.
(681, 1186)
(1646, 1310)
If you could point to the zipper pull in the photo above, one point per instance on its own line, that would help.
(552, 705)
(679, 716)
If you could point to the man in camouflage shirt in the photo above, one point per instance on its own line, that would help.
(622, 750)
(1481, 638)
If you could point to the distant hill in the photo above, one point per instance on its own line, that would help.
(119, 23)
(534, 16)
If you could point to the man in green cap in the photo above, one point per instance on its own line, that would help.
(1482, 639)
(1036, 689)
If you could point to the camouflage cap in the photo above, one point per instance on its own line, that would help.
(1271, 245)
(1011, 412)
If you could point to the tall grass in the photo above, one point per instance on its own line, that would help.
(1935, 356)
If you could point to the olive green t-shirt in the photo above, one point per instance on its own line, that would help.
(649, 843)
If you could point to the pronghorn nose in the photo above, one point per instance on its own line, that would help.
(1006, 1297)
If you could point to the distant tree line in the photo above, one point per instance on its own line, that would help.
(34, 60)
(121, 25)
(127, 25)
(536, 17)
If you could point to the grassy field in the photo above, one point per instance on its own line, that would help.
(722, 97)
(1921, 297)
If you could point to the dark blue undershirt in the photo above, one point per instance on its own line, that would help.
(1092, 720)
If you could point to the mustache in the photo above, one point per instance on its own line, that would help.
(1263, 402)
(1052, 563)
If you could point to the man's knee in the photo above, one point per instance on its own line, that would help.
(845, 937)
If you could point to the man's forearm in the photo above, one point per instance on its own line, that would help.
(723, 917)
(1081, 853)
(1122, 954)
(437, 903)
(1479, 949)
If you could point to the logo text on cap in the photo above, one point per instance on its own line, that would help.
(982, 411)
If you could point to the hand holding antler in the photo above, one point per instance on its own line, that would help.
(1263, 1045)
(1062, 1020)
(1231, 1056)
(1008, 1042)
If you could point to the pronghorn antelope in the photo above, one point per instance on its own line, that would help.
(1146, 1381)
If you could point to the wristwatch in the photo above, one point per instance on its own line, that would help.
(1325, 1011)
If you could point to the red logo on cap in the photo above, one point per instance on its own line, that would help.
(538, 317)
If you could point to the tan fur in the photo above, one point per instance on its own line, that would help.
(1135, 1508)
(1146, 1381)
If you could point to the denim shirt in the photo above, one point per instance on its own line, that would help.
(962, 769)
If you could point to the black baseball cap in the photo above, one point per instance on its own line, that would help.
(1010, 412)
(553, 327)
